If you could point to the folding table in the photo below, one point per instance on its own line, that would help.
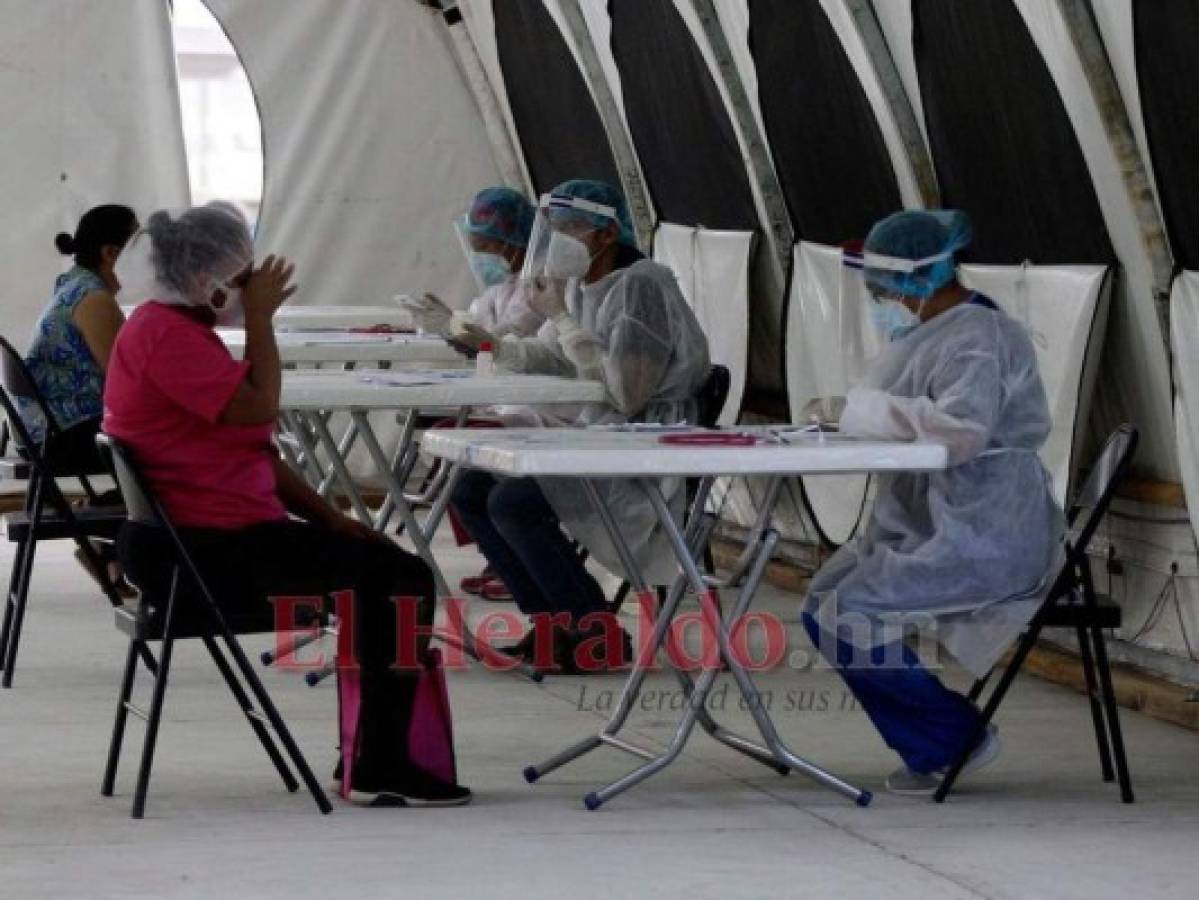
(349, 347)
(641, 455)
(290, 317)
(309, 398)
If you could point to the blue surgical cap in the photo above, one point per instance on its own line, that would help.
(501, 214)
(605, 195)
(917, 235)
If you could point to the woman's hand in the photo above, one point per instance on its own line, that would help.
(268, 287)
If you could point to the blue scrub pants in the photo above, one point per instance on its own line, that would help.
(918, 717)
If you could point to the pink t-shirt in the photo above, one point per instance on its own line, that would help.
(168, 379)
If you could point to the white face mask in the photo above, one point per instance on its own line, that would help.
(232, 313)
(568, 257)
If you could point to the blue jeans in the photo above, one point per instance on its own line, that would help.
(918, 717)
(519, 533)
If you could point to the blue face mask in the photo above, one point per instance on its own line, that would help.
(490, 268)
(893, 319)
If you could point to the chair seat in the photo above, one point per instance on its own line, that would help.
(96, 521)
(1073, 614)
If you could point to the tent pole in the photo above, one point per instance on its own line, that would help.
(1079, 18)
(780, 233)
(507, 158)
(623, 153)
(908, 126)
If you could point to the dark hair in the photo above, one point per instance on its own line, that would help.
(103, 226)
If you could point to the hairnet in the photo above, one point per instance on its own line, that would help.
(601, 193)
(174, 258)
(928, 237)
(501, 214)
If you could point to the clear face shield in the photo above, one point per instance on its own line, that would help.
(563, 243)
(489, 264)
(883, 283)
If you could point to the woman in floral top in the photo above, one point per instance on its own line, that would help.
(74, 337)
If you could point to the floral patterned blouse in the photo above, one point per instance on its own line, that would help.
(61, 362)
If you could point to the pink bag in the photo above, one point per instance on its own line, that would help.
(430, 732)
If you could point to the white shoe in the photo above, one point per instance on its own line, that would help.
(905, 782)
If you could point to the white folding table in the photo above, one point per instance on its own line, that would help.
(309, 398)
(593, 455)
(354, 348)
(289, 317)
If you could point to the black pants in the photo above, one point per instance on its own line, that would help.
(245, 567)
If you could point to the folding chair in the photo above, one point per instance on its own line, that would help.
(1073, 603)
(46, 514)
(711, 398)
(158, 618)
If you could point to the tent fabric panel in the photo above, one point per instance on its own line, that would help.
(559, 128)
(1166, 32)
(688, 147)
(828, 147)
(1002, 141)
(90, 104)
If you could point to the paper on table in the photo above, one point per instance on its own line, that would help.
(409, 379)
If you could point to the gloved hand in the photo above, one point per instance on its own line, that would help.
(546, 296)
(428, 313)
(473, 337)
(824, 410)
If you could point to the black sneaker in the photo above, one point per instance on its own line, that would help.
(415, 789)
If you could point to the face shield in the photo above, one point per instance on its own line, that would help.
(566, 237)
(882, 283)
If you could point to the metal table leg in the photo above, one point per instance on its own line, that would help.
(687, 546)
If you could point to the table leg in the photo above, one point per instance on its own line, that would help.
(719, 627)
(338, 464)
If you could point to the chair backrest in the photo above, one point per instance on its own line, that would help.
(18, 384)
(1097, 491)
(712, 396)
(140, 504)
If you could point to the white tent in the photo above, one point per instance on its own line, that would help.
(748, 137)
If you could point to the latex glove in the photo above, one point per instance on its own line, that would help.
(473, 337)
(825, 410)
(546, 296)
(428, 312)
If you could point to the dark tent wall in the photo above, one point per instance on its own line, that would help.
(1167, 32)
(680, 127)
(828, 149)
(1001, 139)
(560, 130)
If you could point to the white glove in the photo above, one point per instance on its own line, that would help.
(825, 410)
(546, 296)
(428, 312)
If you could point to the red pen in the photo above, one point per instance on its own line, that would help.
(711, 439)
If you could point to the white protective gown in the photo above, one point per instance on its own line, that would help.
(972, 547)
(633, 331)
(503, 310)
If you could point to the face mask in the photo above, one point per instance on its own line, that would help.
(232, 313)
(893, 320)
(568, 257)
(490, 268)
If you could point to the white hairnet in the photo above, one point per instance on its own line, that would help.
(970, 543)
(175, 259)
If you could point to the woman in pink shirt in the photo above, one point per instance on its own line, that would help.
(200, 425)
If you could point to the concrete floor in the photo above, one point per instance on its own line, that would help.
(1039, 823)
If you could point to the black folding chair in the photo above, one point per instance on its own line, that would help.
(188, 610)
(711, 398)
(1073, 603)
(46, 514)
